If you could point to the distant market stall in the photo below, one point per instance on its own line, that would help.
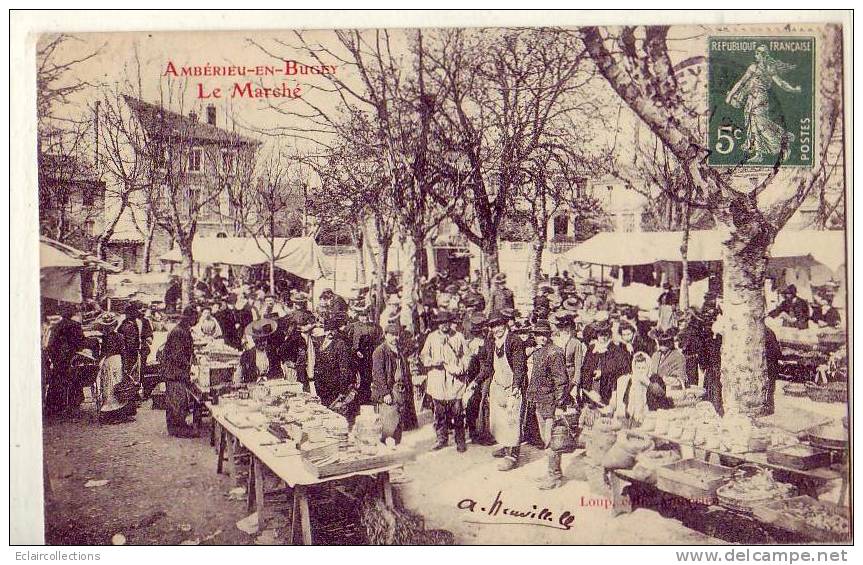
(805, 258)
(299, 256)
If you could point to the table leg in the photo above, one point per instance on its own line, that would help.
(251, 494)
(232, 464)
(221, 457)
(259, 489)
(295, 516)
(305, 518)
(387, 489)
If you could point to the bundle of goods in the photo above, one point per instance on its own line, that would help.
(753, 486)
(819, 520)
(600, 438)
(830, 392)
(647, 462)
(832, 435)
(693, 479)
(795, 389)
(621, 455)
(218, 351)
(800, 457)
(689, 396)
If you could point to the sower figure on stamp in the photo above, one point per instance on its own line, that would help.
(444, 355)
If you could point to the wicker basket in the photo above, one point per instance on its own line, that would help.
(831, 392)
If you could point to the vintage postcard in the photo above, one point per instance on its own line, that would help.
(535, 285)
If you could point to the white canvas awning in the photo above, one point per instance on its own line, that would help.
(60, 267)
(300, 256)
(644, 248)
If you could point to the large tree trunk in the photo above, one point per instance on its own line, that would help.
(744, 367)
(148, 246)
(188, 276)
(384, 244)
(358, 241)
(534, 274)
(490, 266)
(410, 285)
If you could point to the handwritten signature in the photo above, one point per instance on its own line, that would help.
(534, 516)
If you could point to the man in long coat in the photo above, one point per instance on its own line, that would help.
(176, 364)
(363, 337)
(391, 384)
(66, 338)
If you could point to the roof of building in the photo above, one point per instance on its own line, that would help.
(68, 168)
(162, 122)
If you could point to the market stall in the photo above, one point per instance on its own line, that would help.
(61, 268)
(299, 256)
(288, 433)
(771, 472)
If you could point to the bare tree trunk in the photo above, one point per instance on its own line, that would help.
(358, 241)
(381, 281)
(410, 285)
(148, 246)
(684, 257)
(534, 274)
(490, 266)
(188, 275)
(744, 368)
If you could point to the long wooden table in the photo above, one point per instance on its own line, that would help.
(289, 469)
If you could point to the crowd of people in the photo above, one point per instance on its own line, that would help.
(491, 374)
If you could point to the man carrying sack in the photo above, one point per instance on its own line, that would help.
(391, 387)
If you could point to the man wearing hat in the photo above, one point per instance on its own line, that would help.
(334, 372)
(668, 361)
(391, 386)
(137, 334)
(176, 363)
(793, 310)
(243, 315)
(565, 336)
(444, 356)
(391, 310)
(505, 366)
(363, 337)
(224, 316)
(501, 296)
(476, 407)
(173, 294)
(547, 391)
(332, 305)
(604, 363)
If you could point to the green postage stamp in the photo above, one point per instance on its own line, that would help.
(761, 98)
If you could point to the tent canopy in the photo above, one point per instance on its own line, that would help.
(60, 270)
(644, 248)
(300, 256)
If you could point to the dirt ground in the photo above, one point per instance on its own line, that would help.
(164, 490)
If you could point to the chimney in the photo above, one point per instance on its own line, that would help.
(211, 114)
(193, 115)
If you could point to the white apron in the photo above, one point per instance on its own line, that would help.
(504, 406)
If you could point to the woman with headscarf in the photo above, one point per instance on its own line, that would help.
(114, 392)
(207, 327)
(637, 392)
